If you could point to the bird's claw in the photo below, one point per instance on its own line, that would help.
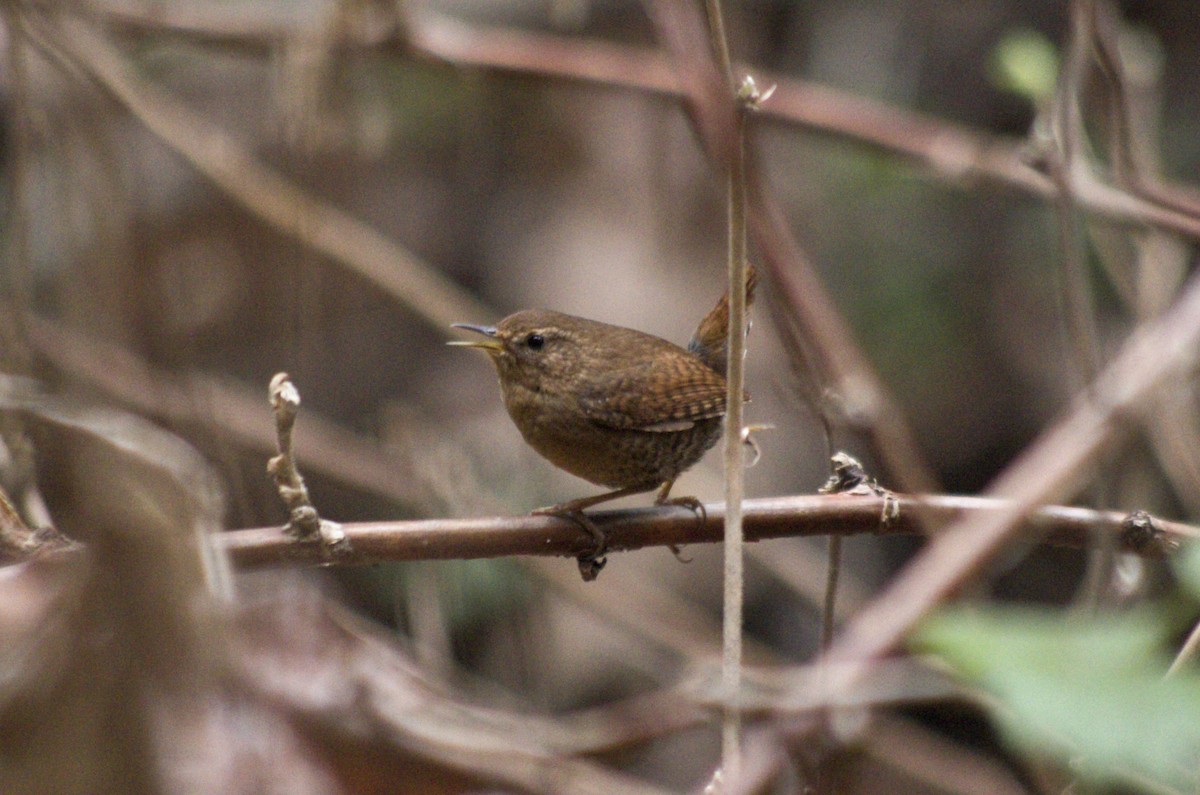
(591, 562)
(695, 506)
(677, 551)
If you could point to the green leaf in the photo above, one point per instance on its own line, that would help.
(1088, 691)
(1025, 62)
(1187, 568)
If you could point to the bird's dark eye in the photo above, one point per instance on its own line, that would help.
(535, 342)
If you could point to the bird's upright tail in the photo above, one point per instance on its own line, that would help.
(711, 340)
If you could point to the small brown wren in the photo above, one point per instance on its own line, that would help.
(614, 406)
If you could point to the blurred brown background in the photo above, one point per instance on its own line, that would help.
(532, 191)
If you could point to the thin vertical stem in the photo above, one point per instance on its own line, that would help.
(834, 563)
(1079, 314)
(16, 280)
(731, 658)
(832, 574)
(734, 473)
(14, 348)
(720, 42)
(833, 570)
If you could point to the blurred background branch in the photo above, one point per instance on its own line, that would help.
(951, 152)
(199, 195)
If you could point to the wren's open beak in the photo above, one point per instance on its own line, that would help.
(491, 344)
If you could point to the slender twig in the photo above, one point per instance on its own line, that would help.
(304, 523)
(833, 562)
(1102, 38)
(735, 559)
(17, 461)
(1068, 140)
(1129, 169)
(1187, 652)
(18, 278)
(829, 603)
(847, 477)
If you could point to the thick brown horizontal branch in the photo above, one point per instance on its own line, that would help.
(775, 517)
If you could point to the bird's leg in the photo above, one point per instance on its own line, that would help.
(576, 506)
(590, 563)
(690, 503)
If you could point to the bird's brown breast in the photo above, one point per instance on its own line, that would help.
(608, 456)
